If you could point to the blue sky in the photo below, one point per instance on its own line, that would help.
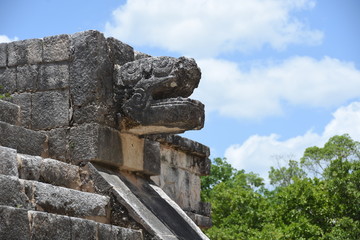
(278, 75)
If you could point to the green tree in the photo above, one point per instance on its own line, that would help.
(340, 148)
(322, 206)
(221, 171)
(284, 176)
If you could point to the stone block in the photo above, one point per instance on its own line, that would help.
(50, 109)
(14, 224)
(12, 193)
(194, 191)
(66, 201)
(132, 152)
(94, 142)
(126, 234)
(7, 80)
(25, 52)
(60, 174)
(203, 222)
(10, 113)
(27, 77)
(151, 160)
(98, 113)
(204, 209)
(58, 143)
(29, 167)
(91, 69)
(120, 53)
(8, 161)
(83, 229)
(57, 48)
(23, 140)
(3, 54)
(49, 226)
(54, 76)
(178, 158)
(105, 232)
(24, 101)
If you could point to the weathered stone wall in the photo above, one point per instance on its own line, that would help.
(182, 163)
(63, 85)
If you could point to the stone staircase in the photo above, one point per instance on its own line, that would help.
(49, 199)
(42, 198)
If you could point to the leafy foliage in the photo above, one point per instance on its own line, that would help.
(323, 206)
(3, 95)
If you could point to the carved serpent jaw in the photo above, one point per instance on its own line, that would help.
(152, 95)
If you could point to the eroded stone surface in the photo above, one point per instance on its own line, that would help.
(8, 161)
(14, 224)
(10, 113)
(23, 140)
(50, 109)
(57, 48)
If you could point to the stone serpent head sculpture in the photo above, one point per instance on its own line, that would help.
(151, 95)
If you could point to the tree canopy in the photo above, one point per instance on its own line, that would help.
(317, 197)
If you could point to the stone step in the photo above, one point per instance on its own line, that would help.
(22, 224)
(9, 113)
(24, 140)
(44, 170)
(33, 195)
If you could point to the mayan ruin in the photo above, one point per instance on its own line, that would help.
(88, 145)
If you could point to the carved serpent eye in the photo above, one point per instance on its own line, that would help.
(130, 74)
(162, 67)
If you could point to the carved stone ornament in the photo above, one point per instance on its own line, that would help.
(152, 95)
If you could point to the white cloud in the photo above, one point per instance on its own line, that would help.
(5, 39)
(263, 90)
(258, 153)
(210, 27)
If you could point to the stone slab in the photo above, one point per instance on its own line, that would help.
(49, 171)
(54, 76)
(12, 192)
(24, 52)
(10, 113)
(94, 142)
(8, 161)
(23, 140)
(7, 80)
(23, 100)
(14, 224)
(136, 208)
(27, 77)
(3, 54)
(50, 109)
(91, 69)
(59, 143)
(184, 216)
(49, 226)
(156, 202)
(29, 167)
(57, 48)
(152, 162)
(66, 201)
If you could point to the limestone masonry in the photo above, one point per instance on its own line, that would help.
(87, 142)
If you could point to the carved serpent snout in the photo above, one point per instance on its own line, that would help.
(152, 91)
